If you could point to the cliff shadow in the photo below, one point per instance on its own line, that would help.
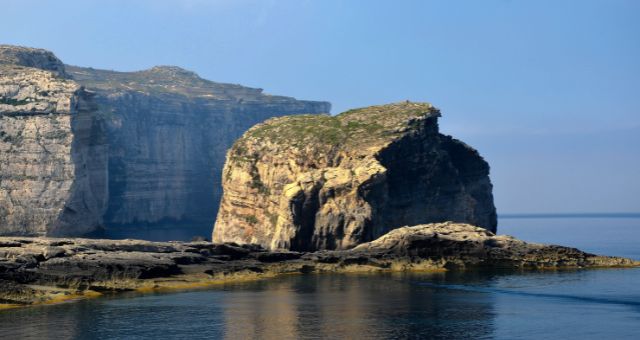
(430, 178)
(88, 194)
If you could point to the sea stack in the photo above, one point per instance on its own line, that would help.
(313, 182)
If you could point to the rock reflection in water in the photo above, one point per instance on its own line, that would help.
(349, 306)
(42, 322)
(356, 306)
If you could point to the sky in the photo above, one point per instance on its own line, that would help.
(548, 90)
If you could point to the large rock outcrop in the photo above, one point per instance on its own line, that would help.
(33, 58)
(53, 152)
(332, 182)
(169, 131)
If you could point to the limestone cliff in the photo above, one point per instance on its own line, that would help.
(157, 138)
(168, 132)
(320, 182)
(33, 58)
(53, 164)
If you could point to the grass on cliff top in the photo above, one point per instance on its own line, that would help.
(352, 127)
(160, 80)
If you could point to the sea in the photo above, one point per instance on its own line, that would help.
(565, 304)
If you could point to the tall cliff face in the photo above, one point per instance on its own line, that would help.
(322, 182)
(53, 161)
(169, 131)
(82, 148)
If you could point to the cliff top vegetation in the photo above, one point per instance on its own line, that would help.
(351, 128)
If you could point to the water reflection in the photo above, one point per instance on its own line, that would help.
(292, 307)
(469, 305)
(42, 322)
(571, 304)
(356, 306)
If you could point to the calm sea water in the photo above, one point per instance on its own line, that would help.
(583, 304)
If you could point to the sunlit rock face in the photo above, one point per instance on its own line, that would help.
(32, 58)
(53, 151)
(169, 131)
(84, 149)
(320, 182)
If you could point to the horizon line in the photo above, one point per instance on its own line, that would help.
(572, 215)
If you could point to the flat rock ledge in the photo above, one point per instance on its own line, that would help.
(48, 270)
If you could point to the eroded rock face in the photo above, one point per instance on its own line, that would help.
(321, 182)
(53, 160)
(161, 134)
(169, 131)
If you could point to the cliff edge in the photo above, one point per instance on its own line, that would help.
(313, 182)
(53, 161)
(128, 153)
(169, 131)
(33, 58)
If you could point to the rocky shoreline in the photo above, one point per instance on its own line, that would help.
(35, 270)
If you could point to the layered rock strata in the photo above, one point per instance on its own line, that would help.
(40, 270)
(53, 152)
(82, 148)
(314, 182)
(169, 131)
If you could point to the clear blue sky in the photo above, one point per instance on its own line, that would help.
(548, 91)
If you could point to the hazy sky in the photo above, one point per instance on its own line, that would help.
(548, 91)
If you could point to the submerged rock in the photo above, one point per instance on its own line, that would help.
(34, 270)
(332, 182)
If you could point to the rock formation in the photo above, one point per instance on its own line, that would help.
(53, 152)
(169, 131)
(320, 182)
(117, 149)
(37, 270)
(32, 58)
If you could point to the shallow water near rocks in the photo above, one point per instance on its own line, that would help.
(579, 304)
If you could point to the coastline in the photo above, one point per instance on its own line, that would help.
(41, 271)
(190, 283)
